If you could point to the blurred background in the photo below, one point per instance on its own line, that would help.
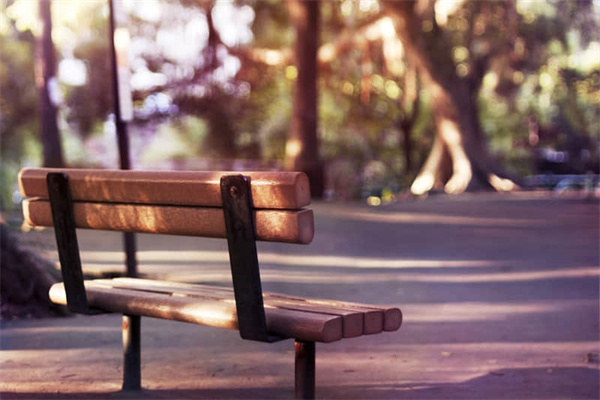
(372, 99)
(378, 102)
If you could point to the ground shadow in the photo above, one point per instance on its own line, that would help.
(521, 383)
(518, 383)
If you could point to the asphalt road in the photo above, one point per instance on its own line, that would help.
(500, 296)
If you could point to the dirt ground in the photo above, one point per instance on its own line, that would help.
(500, 295)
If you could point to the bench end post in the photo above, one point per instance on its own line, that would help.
(237, 208)
(63, 219)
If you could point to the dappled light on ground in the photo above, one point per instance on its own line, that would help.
(389, 217)
(198, 266)
(330, 277)
(487, 311)
(499, 299)
(324, 260)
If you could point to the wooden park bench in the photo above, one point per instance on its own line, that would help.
(243, 208)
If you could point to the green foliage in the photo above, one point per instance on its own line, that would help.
(18, 94)
(540, 60)
(507, 133)
(18, 108)
(172, 140)
(92, 101)
(271, 26)
(268, 118)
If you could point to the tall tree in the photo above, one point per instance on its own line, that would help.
(459, 159)
(302, 147)
(47, 85)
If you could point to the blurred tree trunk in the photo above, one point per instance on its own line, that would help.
(302, 147)
(410, 105)
(47, 84)
(459, 159)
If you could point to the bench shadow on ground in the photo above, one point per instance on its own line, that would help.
(534, 383)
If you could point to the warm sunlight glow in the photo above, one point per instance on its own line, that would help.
(384, 28)
(151, 10)
(393, 50)
(327, 53)
(233, 22)
(392, 90)
(445, 8)
(291, 72)
(72, 72)
(273, 57)
(25, 13)
(122, 39)
(374, 201)
(422, 184)
(490, 80)
(501, 184)
(348, 88)
(293, 148)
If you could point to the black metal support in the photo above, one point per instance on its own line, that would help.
(305, 370)
(129, 243)
(63, 218)
(132, 353)
(239, 223)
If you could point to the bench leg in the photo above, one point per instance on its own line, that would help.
(132, 375)
(305, 370)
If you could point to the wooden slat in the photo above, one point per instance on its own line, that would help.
(392, 316)
(377, 317)
(280, 190)
(352, 320)
(222, 314)
(271, 225)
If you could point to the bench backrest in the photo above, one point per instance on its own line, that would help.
(242, 207)
(172, 202)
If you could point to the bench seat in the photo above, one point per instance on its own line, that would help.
(306, 319)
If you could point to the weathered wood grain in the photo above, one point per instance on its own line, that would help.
(271, 225)
(392, 316)
(353, 321)
(279, 190)
(222, 314)
(376, 317)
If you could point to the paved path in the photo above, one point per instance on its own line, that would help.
(500, 296)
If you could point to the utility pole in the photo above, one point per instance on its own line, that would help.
(119, 43)
(49, 92)
(123, 109)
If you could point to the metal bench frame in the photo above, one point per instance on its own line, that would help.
(237, 209)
